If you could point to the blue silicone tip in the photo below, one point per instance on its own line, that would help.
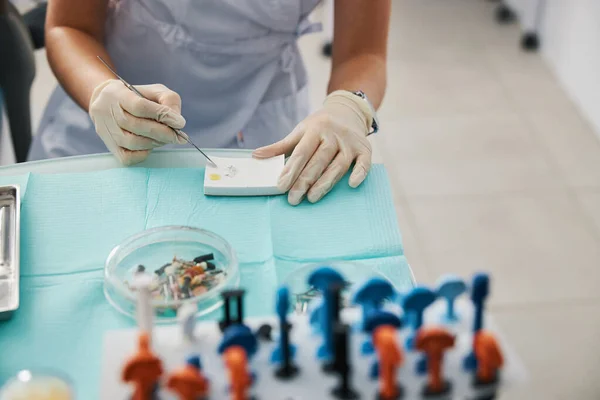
(470, 362)
(374, 371)
(194, 361)
(421, 366)
(277, 355)
(322, 353)
(449, 319)
(410, 342)
(367, 347)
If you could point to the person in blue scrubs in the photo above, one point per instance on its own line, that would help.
(232, 67)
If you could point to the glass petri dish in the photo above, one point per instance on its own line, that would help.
(37, 385)
(167, 254)
(353, 272)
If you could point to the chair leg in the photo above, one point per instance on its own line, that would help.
(17, 71)
(504, 15)
(530, 41)
(18, 110)
(326, 50)
(35, 20)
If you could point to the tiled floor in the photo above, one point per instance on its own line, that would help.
(493, 168)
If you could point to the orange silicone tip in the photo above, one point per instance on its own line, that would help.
(143, 369)
(488, 354)
(389, 357)
(236, 363)
(434, 341)
(384, 336)
(235, 357)
(188, 383)
(386, 345)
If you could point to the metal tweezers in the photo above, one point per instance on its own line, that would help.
(177, 131)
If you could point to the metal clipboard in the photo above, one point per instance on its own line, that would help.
(10, 218)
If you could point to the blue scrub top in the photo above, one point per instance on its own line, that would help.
(235, 64)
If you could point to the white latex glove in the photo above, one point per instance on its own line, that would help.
(131, 126)
(323, 147)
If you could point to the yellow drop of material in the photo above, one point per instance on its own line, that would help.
(215, 177)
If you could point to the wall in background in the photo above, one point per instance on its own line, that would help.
(570, 36)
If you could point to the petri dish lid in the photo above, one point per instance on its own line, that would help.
(354, 273)
(166, 255)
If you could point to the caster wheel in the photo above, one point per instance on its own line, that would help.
(530, 42)
(326, 50)
(504, 15)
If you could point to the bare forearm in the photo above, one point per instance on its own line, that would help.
(73, 57)
(366, 72)
(360, 47)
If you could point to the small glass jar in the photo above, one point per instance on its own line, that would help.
(32, 385)
(167, 254)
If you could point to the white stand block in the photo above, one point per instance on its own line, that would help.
(243, 177)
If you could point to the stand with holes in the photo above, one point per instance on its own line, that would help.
(425, 344)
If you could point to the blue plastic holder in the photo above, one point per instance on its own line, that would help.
(282, 307)
(282, 303)
(450, 288)
(314, 317)
(322, 279)
(239, 335)
(421, 366)
(378, 318)
(470, 362)
(367, 347)
(277, 355)
(480, 290)
(374, 320)
(371, 295)
(374, 370)
(415, 303)
(194, 360)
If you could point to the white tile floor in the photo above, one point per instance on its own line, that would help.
(492, 168)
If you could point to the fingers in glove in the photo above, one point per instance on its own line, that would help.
(147, 128)
(313, 170)
(142, 108)
(125, 156)
(285, 146)
(360, 170)
(122, 138)
(301, 154)
(332, 175)
(162, 95)
(131, 157)
(131, 141)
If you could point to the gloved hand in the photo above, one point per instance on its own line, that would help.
(131, 126)
(323, 147)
